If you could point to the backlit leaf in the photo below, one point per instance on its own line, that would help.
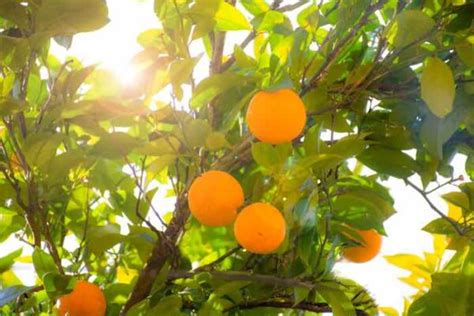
(409, 26)
(68, 17)
(437, 86)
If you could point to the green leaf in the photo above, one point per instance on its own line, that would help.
(242, 60)
(10, 221)
(210, 87)
(216, 15)
(76, 78)
(12, 293)
(362, 207)
(181, 70)
(228, 288)
(409, 26)
(60, 166)
(13, 11)
(68, 17)
(256, 7)
(319, 163)
(465, 50)
(168, 305)
(40, 149)
(151, 38)
(435, 131)
(271, 20)
(450, 294)
(409, 262)
(196, 132)
(341, 305)
(308, 18)
(270, 156)
(8, 260)
(439, 226)
(43, 262)
(437, 86)
(229, 18)
(300, 294)
(468, 189)
(348, 146)
(349, 12)
(388, 161)
(9, 106)
(14, 51)
(56, 284)
(161, 146)
(115, 145)
(101, 238)
(216, 141)
(457, 198)
(469, 166)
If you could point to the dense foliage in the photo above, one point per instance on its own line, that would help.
(389, 83)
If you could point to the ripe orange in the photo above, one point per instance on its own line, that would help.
(276, 117)
(370, 249)
(214, 198)
(86, 299)
(260, 228)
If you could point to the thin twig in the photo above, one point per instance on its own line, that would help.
(150, 204)
(46, 104)
(460, 178)
(288, 304)
(218, 260)
(86, 225)
(340, 45)
(294, 6)
(245, 276)
(434, 208)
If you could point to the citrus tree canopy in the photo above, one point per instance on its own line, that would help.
(272, 125)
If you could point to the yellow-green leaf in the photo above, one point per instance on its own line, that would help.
(437, 86)
(409, 26)
(229, 18)
(465, 50)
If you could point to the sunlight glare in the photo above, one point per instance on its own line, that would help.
(126, 73)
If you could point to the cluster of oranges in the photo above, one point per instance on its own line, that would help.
(214, 197)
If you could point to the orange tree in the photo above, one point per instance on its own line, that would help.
(80, 153)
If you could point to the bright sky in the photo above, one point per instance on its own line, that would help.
(115, 44)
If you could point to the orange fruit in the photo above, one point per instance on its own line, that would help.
(260, 228)
(370, 249)
(86, 299)
(276, 117)
(214, 198)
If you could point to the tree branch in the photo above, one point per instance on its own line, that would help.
(161, 252)
(46, 104)
(218, 260)
(341, 44)
(294, 6)
(245, 276)
(434, 208)
(288, 304)
(275, 6)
